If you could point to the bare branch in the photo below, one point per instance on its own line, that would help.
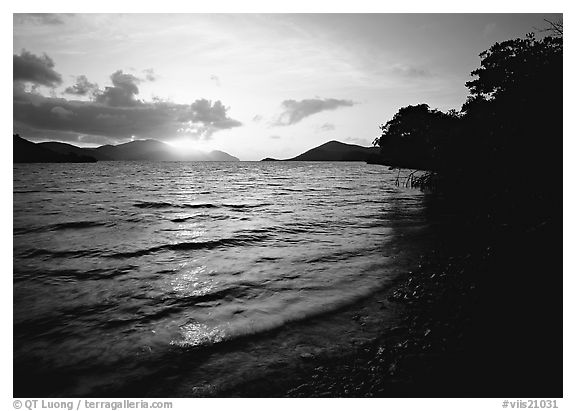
(555, 28)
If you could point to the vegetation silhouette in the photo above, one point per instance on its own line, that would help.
(506, 140)
(494, 173)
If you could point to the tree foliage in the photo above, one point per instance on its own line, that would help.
(420, 134)
(510, 124)
(514, 68)
(504, 147)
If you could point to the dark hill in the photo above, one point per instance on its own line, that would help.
(153, 150)
(217, 155)
(139, 150)
(64, 148)
(336, 151)
(27, 152)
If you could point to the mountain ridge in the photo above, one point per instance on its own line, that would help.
(138, 150)
(25, 151)
(335, 151)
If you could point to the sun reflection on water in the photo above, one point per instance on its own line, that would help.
(197, 334)
(190, 282)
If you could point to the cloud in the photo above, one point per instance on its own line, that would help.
(257, 118)
(159, 119)
(113, 114)
(38, 70)
(61, 112)
(40, 18)
(150, 75)
(124, 90)
(275, 137)
(123, 93)
(410, 71)
(296, 111)
(215, 79)
(82, 87)
(205, 117)
(326, 127)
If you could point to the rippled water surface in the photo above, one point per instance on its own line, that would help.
(121, 269)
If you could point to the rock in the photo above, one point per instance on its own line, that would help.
(298, 389)
(397, 330)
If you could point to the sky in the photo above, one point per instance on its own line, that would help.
(252, 85)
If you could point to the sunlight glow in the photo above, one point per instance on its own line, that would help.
(187, 145)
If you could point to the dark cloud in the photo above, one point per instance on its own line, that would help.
(82, 87)
(114, 114)
(204, 111)
(61, 112)
(38, 70)
(40, 18)
(123, 93)
(95, 121)
(296, 111)
(204, 118)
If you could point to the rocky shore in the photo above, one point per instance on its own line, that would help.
(481, 316)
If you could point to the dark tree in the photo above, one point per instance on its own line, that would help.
(418, 135)
(508, 135)
(514, 112)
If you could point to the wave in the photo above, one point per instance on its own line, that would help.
(64, 275)
(27, 191)
(338, 256)
(182, 219)
(153, 204)
(201, 205)
(191, 217)
(42, 252)
(192, 245)
(69, 225)
(172, 305)
(212, 336)
(78, 224)
(162, 204)
(242, 206)
(240, 240)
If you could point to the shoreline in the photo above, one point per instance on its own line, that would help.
(463, 329)
(383, 366)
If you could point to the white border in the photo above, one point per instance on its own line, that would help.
(308, 6)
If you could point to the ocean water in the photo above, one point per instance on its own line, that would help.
(139, 277)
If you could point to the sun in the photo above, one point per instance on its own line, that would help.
(187, 145)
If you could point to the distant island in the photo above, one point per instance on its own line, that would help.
(336, 151)
(140, 150)
(28, 152)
